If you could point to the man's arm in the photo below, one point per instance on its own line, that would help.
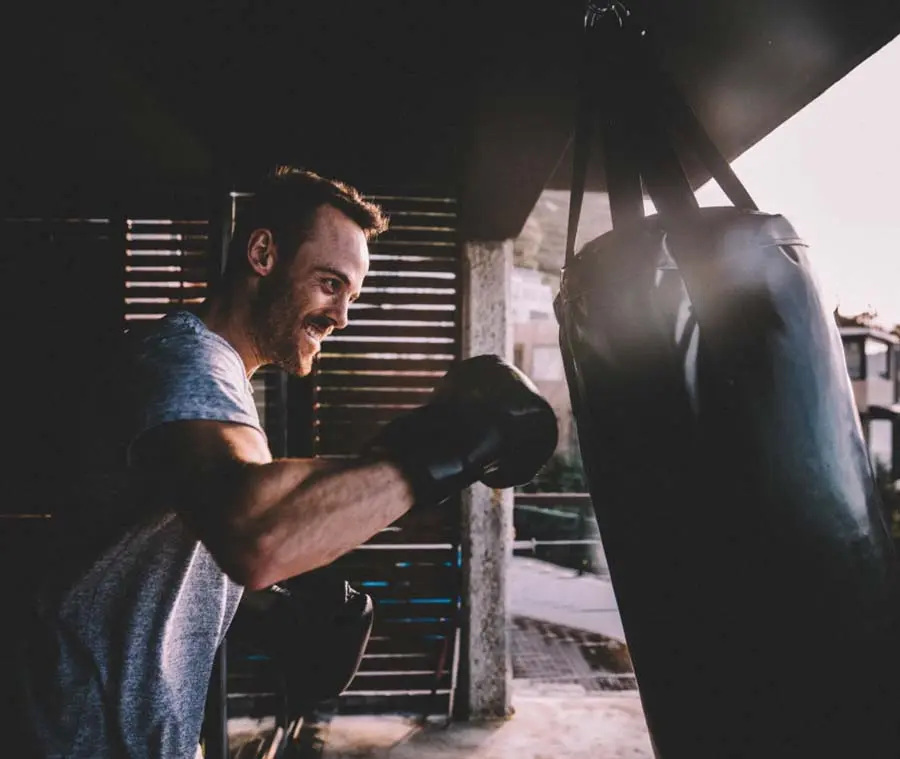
(264, 520)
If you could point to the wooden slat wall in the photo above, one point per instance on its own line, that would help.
(403, 332)
(403, 335)
(168, 265)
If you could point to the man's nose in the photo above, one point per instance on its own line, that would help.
(340, 313)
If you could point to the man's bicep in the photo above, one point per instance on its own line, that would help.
(195, 464)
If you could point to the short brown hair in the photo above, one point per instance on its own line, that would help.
(286, 202)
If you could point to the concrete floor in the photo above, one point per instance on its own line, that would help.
(544, 727)
(550, 722)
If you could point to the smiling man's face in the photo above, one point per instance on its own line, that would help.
(308, 295)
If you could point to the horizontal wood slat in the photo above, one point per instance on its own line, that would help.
(421, 256)
(396, 662)
(445, 534)
(434, 580)
(400, 562)
(412, 629)
(403, 297)
(385, 262)
(428, 647)
(347, 438)
(344, 346)
(363, 415)
(411, 233)
(382, 397)
(413, 247)
(167, 227)
(427, 521)
(407, 312)
(401, 610)
(155, 290)
(368, 363)
(366, 682)
(372, 328)
(446, 587)
(409, 280)
(192, 242)
(196, 258)
(137, 274)
(386, 379)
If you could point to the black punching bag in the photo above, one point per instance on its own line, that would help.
(755, 575)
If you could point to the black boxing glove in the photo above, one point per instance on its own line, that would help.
(485, 421)
(313, 627)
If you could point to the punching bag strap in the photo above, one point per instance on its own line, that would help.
(595, 81)
(664, 122)
(644, 118)
(582, 143)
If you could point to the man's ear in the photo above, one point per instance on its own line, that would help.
(261, 251)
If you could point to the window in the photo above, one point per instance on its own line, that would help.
(546, 364)
(878, 359)
(880, 441)
(853, 354)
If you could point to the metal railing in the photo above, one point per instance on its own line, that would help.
(560, 528)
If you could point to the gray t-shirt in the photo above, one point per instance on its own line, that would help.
(118, 655)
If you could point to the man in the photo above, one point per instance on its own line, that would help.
(178, 504)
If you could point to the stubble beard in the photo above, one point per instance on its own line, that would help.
(278, 327)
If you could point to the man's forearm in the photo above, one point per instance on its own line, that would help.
(300, 514)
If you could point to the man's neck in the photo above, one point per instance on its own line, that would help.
(229, 318)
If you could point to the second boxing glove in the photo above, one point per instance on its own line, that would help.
(486, 421)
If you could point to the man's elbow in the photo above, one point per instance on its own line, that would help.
(257, 563)
(251, 575)
(251, 566)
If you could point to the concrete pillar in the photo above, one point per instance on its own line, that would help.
(487, 514)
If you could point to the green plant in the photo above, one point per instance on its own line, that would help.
(890, 497)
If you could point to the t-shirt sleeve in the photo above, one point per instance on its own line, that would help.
(185, 377)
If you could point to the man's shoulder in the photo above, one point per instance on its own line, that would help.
(181, 338)
(180, 370)
(174, 326)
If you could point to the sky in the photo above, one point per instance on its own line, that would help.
(834, 171)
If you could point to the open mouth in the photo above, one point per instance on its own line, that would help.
(315, 334)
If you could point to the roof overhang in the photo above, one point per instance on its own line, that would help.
(461, 98)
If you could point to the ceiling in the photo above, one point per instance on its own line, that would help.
(111, 103)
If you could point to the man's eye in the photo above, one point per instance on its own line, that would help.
(332, 285)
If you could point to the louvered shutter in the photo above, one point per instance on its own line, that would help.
(403, 332)
(168, 266)
(403, 335)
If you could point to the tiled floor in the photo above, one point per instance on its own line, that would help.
(547, 653)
